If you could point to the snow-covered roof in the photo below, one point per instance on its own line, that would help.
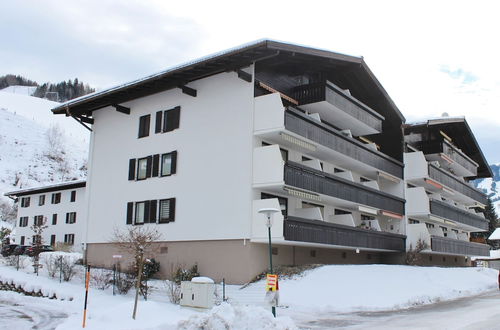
(495, 235)
(230, 59)
(59, 186)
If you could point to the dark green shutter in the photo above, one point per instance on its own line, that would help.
(130, 209)
(173, 167)
(152, 211)
(158, 121)
(156, 164)
(131, 169)
(149, 161)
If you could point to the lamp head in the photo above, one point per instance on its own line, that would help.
(268, 212)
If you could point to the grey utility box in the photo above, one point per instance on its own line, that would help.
(200, 292)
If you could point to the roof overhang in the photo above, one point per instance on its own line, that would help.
(225, 61)
(55, 187)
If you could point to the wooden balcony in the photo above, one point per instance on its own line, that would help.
(458, 247)
(314, 231)
(450, 157)
(303, 125)
(456, 184)
(455, 214)
(338, 107)
(307, 178)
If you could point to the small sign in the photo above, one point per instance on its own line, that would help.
(117, 256)
(272, 282)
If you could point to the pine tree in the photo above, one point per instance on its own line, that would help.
(491, 214)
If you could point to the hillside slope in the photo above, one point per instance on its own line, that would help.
(491, 186)
(27, 159)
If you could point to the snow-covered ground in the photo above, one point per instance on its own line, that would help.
(318, 293)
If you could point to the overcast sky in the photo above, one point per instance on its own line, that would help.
(431, 56)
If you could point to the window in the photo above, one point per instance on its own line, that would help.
(167, 210)
(38, 220)
(25, 202)
(152, 166)
(69, 239)
(23, 221)
(167, 120)
(412, 222)
(140, 209)
(142, 168)
(168, 163)
(22, 240)
(283, 202)
(148, 211)
(37, 239)
(41, 200)
(73, 196)
(54, 219)
(71, 217)
(340, 212)
(52, 240)
(56, 198)
(144, 126)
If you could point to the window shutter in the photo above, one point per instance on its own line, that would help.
(67, 217)
(152, 211)
(146, 212)
(130, 209)
(156, 164)
(158, 121)
(172, 209)
(149, 161)
(74, 219)
(131, 169)
(176, 117)
(173, 167)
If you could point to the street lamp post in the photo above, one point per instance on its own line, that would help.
(268, 212)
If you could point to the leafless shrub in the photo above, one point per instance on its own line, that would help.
(52, 264)
(101, 278)
(414, 255)
(68, 269)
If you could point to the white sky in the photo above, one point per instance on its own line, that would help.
(431, 56)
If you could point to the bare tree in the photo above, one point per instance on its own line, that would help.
(138, 242)
(38, 227)
(55, 138)
(414, 255)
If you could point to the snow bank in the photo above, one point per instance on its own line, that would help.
(67, 256)
(31, 283)
(348, 288)
(226, 316)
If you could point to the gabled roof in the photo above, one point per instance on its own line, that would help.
(43, 189)
(228, 60)
(461, 134)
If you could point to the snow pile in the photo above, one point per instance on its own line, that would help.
(348, 288)
(226, 316)
(22, 90)
(31, 283)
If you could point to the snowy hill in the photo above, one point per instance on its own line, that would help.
(491, 186)
(27, 158)
(23, 90)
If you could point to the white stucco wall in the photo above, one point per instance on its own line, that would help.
(47, 210)
(212, 185)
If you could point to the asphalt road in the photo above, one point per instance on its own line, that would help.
(479, 312)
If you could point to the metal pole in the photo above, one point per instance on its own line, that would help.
(114, 278)
(273, 309)
(223, 289)
(60, 269)
(87, 279)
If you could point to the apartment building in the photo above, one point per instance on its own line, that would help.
(60, 207)
(443, 208)
(195, 151)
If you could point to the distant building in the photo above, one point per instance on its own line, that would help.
(60, 206)
(442, 206)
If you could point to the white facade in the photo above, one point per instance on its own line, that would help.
(212, 184)
(65, 219)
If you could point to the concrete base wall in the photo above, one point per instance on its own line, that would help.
(237, 261)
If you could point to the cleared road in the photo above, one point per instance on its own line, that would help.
(479, 312)
(28, 313)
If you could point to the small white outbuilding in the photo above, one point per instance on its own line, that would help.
(200, 292)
